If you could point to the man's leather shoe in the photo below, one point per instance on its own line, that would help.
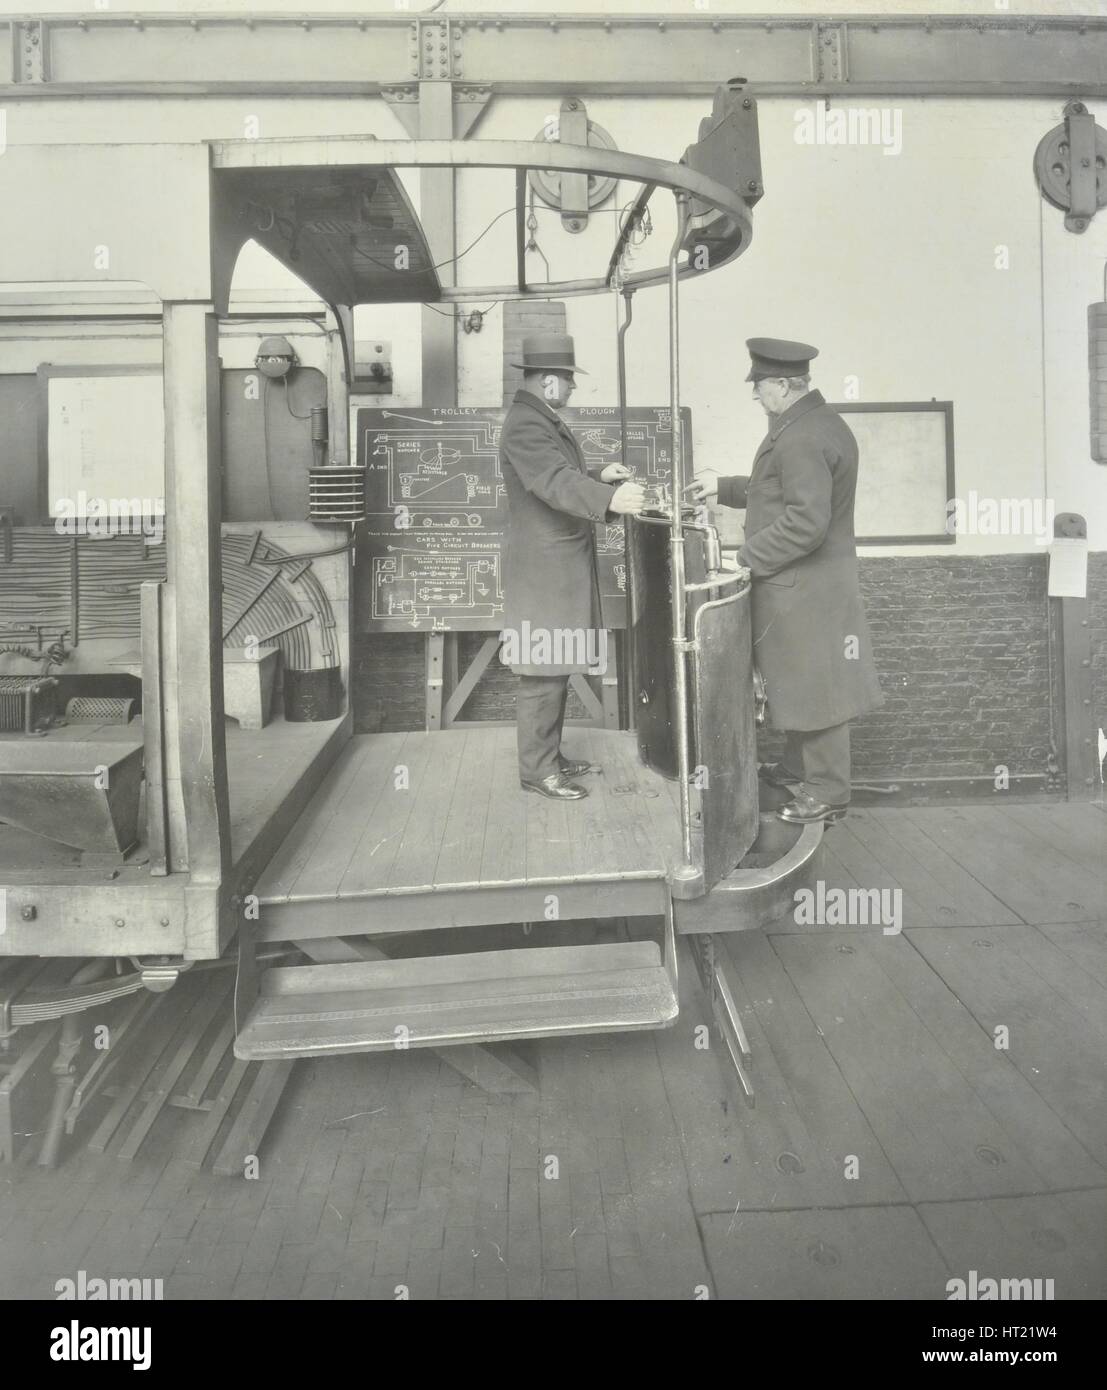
(777, 776)
(555, 786)
(805, 810)
(571, 769)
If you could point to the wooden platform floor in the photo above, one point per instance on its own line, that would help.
(441, 811)
(894, 1145)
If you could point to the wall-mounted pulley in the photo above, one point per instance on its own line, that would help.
(1070, 165)
(574, 194)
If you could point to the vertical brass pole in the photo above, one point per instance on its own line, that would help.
(630, 678)
(687, 869)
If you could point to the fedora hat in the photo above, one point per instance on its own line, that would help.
(549, 351)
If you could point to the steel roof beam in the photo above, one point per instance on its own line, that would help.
(107, 54)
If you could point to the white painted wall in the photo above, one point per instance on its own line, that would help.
(888, 263)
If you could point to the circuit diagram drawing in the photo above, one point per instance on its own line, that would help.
(448, 477)
(429, 554)
(415, 585)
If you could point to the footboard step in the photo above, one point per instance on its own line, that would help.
(378, 1006)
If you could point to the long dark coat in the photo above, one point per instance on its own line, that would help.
(550, 577)
(801, 551)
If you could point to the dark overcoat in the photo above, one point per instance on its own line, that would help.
(550, 576)
(811, 640)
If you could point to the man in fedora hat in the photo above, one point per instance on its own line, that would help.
(553, 624)
(811, 641)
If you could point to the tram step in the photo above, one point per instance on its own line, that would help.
(433, 1001)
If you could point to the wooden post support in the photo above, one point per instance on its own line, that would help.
(1081, 756)
(593, 704)
(193, 590)
(434, 679)
(609, 684)
(1081, 752)
(460, 687)
(339, 452)
(153, 735)
(437, 211)
(449, 674)
(338, 386)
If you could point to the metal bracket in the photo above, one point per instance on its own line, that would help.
(1070, 165)
(469, 104)
(29, 61)
(159, 978)
(435, 50)
(20, 975)
(574, 194)
(404, 103)
(828, 60)
(728, 1021)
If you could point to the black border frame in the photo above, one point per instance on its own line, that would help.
(904, 407)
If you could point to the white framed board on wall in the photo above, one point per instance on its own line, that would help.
(101, 441)
(905, 476)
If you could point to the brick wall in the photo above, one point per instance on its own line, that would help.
(961, 646)
(520, 319)
(387, 681)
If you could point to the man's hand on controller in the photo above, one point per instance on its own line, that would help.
(705, 488)
(628, 498)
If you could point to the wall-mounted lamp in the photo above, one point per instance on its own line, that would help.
(275, 358)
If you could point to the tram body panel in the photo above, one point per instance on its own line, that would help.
(722, 736)
(651, 639)
(351, 995)
(724, 763)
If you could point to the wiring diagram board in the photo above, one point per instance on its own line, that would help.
(428, 557)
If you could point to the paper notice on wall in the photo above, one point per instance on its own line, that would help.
(106, 443)
(1068, 568)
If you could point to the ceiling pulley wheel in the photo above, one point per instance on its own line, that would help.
(566, 191)
(1070, 165)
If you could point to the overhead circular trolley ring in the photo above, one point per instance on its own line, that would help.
(706, 194)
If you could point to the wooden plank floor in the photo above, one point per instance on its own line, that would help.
(959, 1063)
(893, 1145)
(263, 769)
(445, 811)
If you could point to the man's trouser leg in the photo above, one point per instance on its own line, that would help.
(825, 763)
(561, 714)
(539, 712)
(792, 761)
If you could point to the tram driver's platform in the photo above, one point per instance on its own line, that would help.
(416, 832)
(411, 831)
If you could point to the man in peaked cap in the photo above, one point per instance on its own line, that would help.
(811, 641)
(553, 624)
